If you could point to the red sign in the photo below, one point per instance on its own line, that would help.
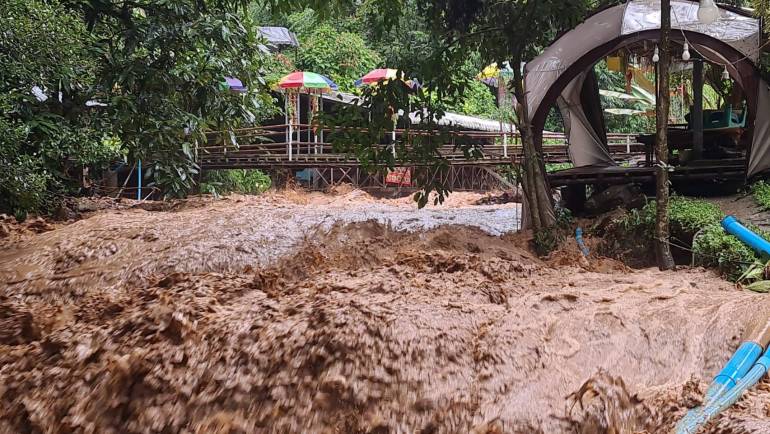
(401, 176)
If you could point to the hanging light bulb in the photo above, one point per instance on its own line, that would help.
(725, 74)
(686, 53)
(708, 12)
(656, 55)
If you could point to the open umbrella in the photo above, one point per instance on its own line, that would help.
(384, 74)
(233, 84)
(491, 74)
(376, 75)
(307, 80)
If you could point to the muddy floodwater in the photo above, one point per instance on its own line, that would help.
(305, 313)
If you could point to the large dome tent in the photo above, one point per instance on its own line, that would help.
(563, 75)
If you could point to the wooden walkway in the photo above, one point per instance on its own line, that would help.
(282, 147)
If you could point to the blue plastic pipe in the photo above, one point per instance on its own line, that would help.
(734, 227)
(736, 368)
(730, 397)
(738, 365)
(580, 242)
(139, 182)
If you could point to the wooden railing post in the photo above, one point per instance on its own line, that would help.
(505, 145)
(291, 134)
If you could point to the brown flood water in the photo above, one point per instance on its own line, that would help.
(264, 315)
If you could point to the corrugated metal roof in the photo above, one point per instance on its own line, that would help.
(450, 119)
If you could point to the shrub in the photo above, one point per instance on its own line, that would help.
(245, 181)
(686, 216)
(548, 240)
(694, 223)
(761, 193)
(715, 248)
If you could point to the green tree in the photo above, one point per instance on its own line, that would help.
(161, 65)
(500, 31)
(46, 125)
(342, 56)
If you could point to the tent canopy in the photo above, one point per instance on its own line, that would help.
(558, 75)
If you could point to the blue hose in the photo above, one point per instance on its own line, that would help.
(734, 227)
(746, 367)
(732, 396)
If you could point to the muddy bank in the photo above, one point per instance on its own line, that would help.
(187, 325)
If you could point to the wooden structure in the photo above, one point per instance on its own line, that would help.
(269, 148)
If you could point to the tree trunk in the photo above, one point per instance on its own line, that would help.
(662, 249)
(538, 199)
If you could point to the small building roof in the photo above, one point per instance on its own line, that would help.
(278, 38)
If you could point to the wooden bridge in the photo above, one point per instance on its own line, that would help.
(298, 147)
(270, 147)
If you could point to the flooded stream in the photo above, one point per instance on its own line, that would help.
(346, 314)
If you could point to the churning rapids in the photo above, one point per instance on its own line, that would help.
(296, 313)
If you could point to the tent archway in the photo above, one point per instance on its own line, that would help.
(745, 72)
(602, 34)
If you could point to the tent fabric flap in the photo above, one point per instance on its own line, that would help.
(586, 146)
(759, 161)
(739, 31)
(545, 70)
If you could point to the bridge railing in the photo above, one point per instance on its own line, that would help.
(288, 143)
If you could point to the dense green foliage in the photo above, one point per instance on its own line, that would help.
(164, 81)
(615, 81)
(346, 47)
(715, 248)
(687, 217)
(342, 56)
(244, 181)
(86, 83)
(695, 226)
(45, 49)
(761, 193)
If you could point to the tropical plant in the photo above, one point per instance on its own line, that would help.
(715, 248)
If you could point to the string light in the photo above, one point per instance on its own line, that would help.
(725, 74)
(686, 53)
(656, 55)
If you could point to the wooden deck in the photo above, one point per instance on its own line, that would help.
(717, 171)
